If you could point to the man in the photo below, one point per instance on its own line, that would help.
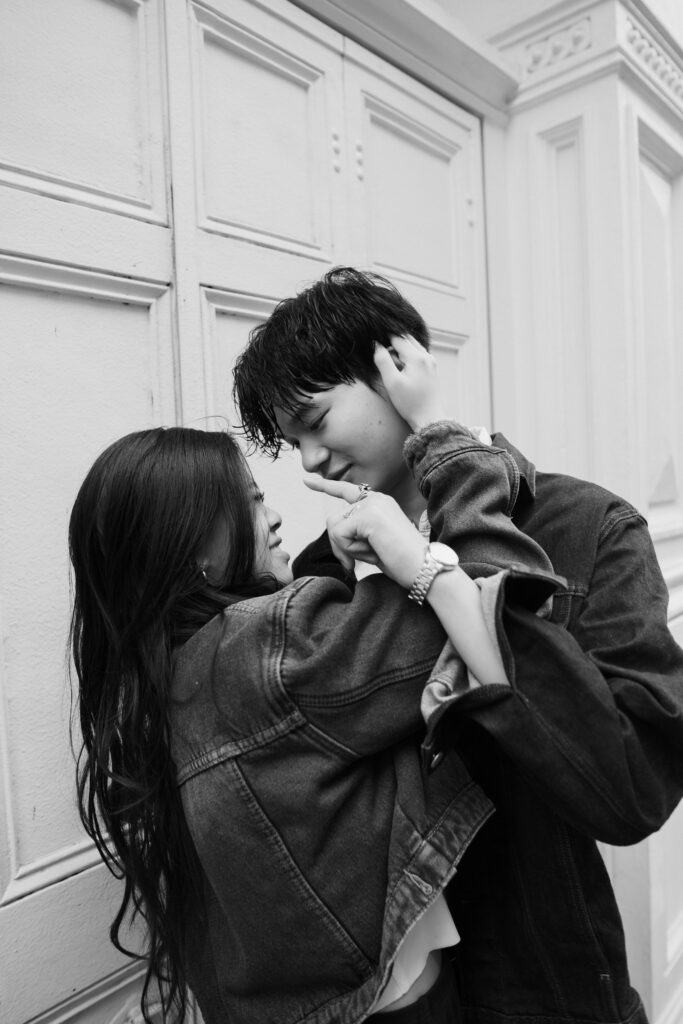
(586, 741)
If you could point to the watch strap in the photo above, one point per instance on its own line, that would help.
(430, 570)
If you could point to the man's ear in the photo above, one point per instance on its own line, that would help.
(395, 357)
(393, 353)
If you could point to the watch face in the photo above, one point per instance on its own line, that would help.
(443, 554)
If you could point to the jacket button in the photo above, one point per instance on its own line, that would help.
(436, 760)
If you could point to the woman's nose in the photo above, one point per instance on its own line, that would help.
(274, 519)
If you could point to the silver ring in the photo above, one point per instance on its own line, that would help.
(363, 491)
(350, 510)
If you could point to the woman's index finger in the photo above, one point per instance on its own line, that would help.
(335, 488)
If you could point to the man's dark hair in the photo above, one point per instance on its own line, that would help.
(321, 337)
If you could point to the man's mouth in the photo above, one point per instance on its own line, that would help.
(338, 474)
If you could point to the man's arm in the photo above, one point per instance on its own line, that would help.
(593, 717)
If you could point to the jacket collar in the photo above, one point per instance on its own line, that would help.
(527, 470)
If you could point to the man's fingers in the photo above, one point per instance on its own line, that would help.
(387, 362)
(382, 355)
(405, 343)
(394, 357)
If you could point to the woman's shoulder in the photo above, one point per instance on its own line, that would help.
(255, 630)
(254, 614)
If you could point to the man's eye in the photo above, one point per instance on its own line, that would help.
(317, 423)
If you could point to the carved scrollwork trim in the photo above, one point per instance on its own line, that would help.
(560, 45)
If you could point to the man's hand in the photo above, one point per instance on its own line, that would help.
(411, 387)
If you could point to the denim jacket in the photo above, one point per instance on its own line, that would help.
(585, 744)
(296, 732)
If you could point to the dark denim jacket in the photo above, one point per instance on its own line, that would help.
(296, 735)
(586, 744)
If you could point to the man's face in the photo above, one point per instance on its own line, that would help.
(351, 433)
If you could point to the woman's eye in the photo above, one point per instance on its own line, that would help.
(260, 497)
(316, 424)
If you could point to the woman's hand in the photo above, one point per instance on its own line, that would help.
(372, 529)
(413, 386)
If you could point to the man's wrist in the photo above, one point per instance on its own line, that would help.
(424, 419)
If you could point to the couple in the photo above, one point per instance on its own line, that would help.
(329, 801)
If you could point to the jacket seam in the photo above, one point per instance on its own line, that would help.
(333, 745)
(377, 683)
(282, 852)
(575, 759)
(616, 518)
(234, 748)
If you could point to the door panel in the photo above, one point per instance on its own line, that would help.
(81, 103)
(416, 196)
(85, 360)
(264, 95)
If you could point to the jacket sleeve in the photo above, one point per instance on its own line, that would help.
(471, 489)
(593, 718)
(355, 665)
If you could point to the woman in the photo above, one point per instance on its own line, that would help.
(251, 761)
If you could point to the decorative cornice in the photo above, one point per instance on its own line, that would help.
(558, 46)
(577, 41)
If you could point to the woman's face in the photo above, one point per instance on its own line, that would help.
(269, 556)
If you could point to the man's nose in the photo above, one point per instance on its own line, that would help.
(313, 456)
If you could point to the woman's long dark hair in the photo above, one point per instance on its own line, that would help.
(136, 527)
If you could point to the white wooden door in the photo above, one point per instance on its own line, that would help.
(168, 170)
(86, 355)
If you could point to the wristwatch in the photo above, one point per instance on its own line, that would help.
(438, 558)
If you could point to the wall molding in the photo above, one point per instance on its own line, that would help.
(57, 277)
(447, 341)
(235, 303)
(673, 1011)
(55, 186)
(113, 986)
(224, 302)
(48, 870)
(674, 942)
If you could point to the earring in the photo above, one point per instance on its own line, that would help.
(202, 570)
